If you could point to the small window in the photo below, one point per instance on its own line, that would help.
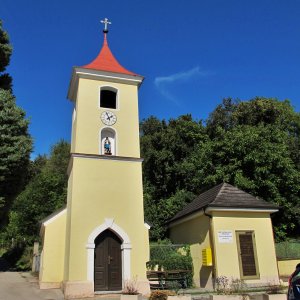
(247, 255)
(108, 98)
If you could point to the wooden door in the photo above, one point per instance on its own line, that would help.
(247, 255)
(108, 265)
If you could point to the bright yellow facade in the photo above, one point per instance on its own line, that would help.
(105, 191)
(54, 235)
(87, 123)
(287, 266)
(260, 224)
(195, 232)
(201, 231)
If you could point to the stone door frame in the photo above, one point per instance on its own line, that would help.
(125, 249)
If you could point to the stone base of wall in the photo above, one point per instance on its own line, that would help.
(49, 285)
(249, 297)
(85, 289)
(78, 289)
(143, 287)
(180, 297)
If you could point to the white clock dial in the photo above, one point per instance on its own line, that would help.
(108, 118)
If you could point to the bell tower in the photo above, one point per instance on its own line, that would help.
(106, 237)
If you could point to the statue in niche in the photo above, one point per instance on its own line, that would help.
(107, 146)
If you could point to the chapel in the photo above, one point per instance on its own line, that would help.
(100, 240)
(230, 235)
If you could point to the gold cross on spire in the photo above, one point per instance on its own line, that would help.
(105, 22)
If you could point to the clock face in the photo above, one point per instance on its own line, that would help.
(108, 118)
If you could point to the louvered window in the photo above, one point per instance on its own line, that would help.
(247, 254)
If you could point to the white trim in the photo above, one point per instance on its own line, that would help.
(212, 209)
(187, 218)
(262, 210)
(73, 116)
(109, 88)
(79, 72)
(100, 156)
(147, 225)
(125, 248)
(108, 157)
(55, 217)
(110, 75)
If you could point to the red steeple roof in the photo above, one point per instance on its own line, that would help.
(105, 61)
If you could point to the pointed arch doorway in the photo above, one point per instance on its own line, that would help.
(107, 262)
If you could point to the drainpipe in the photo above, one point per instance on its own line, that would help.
(212, 242)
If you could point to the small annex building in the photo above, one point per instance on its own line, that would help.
(100, 239)
(230, 234)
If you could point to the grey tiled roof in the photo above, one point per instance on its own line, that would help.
(223, 195)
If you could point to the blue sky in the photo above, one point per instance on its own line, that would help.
(192, 53)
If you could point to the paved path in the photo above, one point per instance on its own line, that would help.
(22, 286)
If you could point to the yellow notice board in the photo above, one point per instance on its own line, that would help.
(206, 257)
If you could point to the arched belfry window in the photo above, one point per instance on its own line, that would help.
(108, 142)
(108, 97)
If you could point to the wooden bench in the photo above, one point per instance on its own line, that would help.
(162, 279)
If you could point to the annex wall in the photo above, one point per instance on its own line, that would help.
(195, 232)
(226, 253)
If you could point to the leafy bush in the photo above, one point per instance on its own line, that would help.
(222, 285)
(24, 263)
(238, 286)
(225, 285)
(166, 256)
(18, 257)
(160, 295)
(130, 287)
(174, 286)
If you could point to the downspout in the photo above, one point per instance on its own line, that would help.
(212, 241)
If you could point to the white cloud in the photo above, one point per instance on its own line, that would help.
(163, 84)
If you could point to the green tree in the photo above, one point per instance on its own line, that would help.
(222, 116)
(158, 212)
(256, 159)
(255, 146)
(15, 141)
(259, 110)
(164, 146)
(5, 53)
(45, 193)
(15, 148)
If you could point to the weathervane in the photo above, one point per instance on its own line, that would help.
(105, 22)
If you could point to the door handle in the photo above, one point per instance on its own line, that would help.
(109, 258)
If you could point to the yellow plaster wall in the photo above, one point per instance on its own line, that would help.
(88, 122)
(54, 251)
(195, 232)
(226, 254)
(287, 267)
(106, 189)
(68, 225)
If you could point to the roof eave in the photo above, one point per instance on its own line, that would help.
(185, 218)
(49, 219)
(80, 72)
(203, 210)
(241, 209)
